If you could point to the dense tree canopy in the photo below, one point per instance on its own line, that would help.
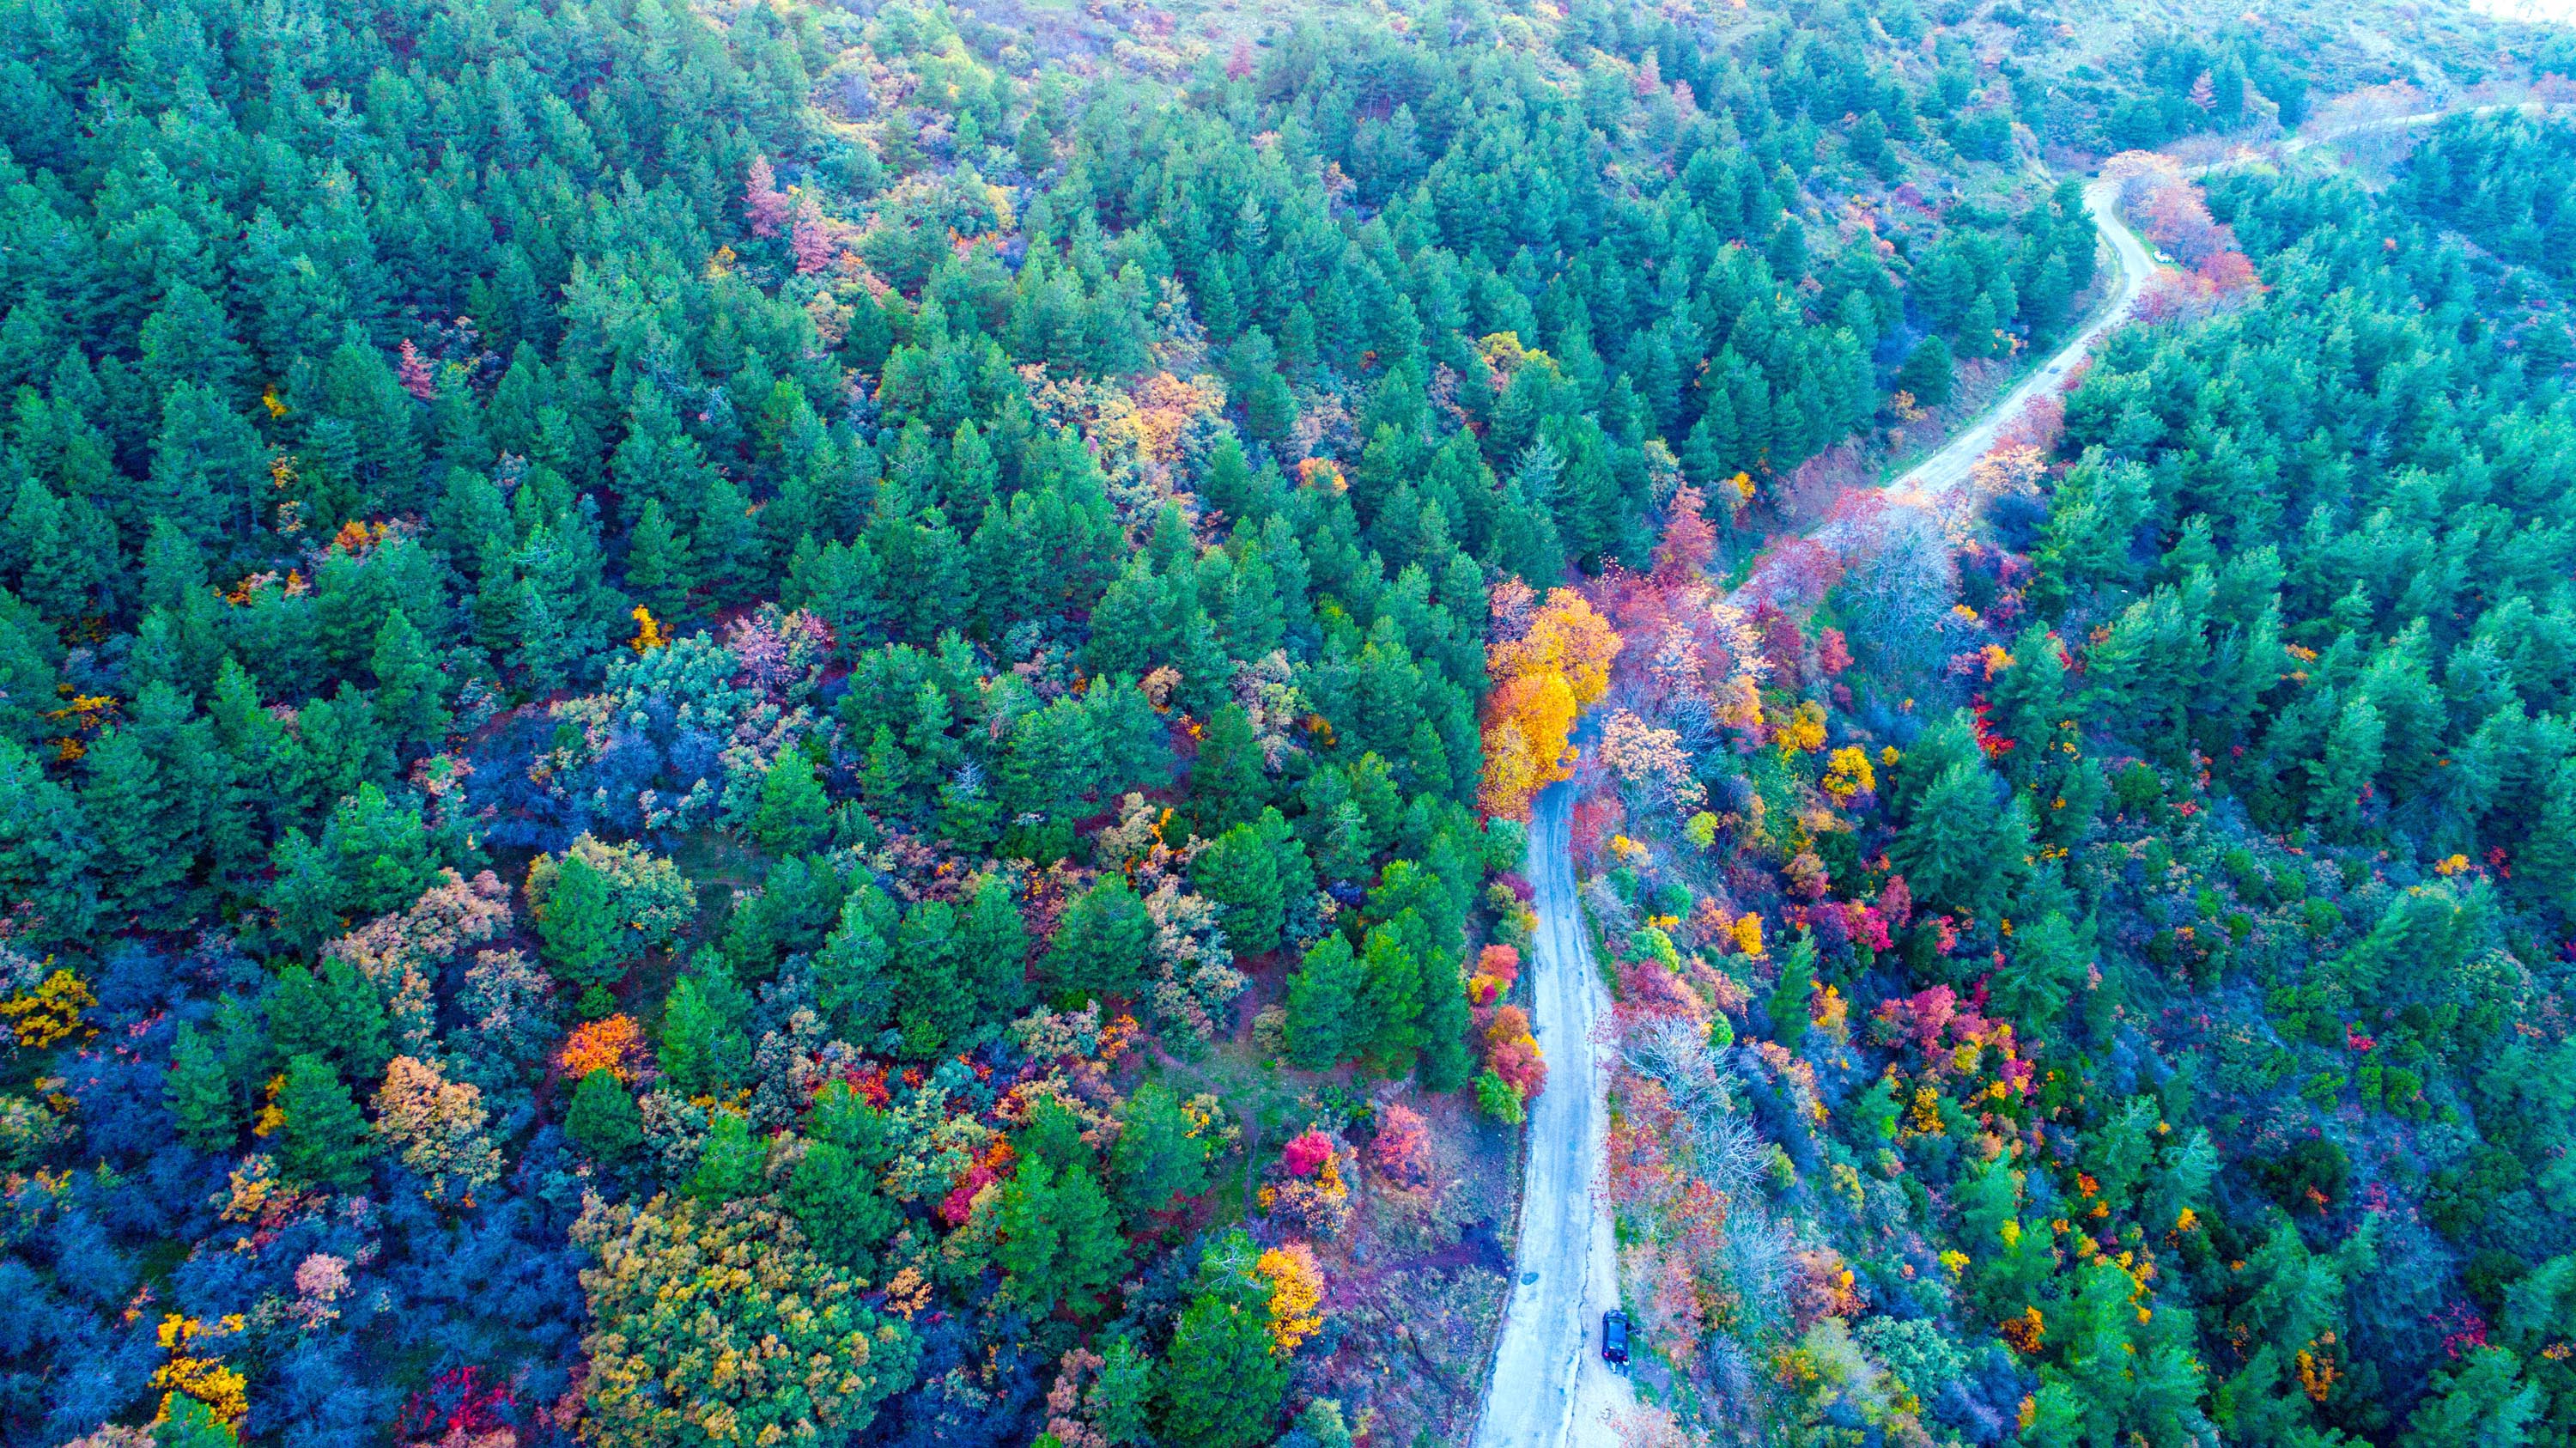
(775, 723)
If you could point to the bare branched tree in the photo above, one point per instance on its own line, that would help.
(1725, 1146)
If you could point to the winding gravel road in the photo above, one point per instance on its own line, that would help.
(1949, 467)
(1550, 1388)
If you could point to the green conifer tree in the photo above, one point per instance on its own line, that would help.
(323, 1139)
(192, 1424)
(1240, 872)
(794, 814)
(994, 947)
(1926, 372)
(1323, 1005)
(1447, 1058)
(579, 929)
(199, 1092)
(836, 1200)
(1161, 1154)
(1789, 1005)
(730, 1165)
(334, 1014)
(934, 1007)
(1222, 1386)
(604, 1121)
(1964, 840)
(657, 563)
(1387, 1022)
(852, 970)
(1102, 942)
(703, 1047)
(406, 699)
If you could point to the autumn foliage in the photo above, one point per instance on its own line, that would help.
(1296, 1295)
(2170, 209)
(1543, 678)
(615, 1045)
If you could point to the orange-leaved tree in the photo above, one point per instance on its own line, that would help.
(1543, 676)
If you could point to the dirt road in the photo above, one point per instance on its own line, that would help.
(1550, 1388)
(1949, 467)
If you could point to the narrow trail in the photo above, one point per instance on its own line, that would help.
(1550, 1388)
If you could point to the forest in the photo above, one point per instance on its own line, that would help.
(770, 723)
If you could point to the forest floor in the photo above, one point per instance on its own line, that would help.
(1418, 1276)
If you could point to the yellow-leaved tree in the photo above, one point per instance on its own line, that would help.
(1544, 676)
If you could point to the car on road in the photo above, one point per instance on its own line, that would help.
(1614, 1339)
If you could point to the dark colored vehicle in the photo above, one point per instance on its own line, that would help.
(1614, 1338)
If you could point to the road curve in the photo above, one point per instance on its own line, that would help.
(1949, 467)
(1550, 1388)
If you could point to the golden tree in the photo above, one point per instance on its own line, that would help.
(1543, 679)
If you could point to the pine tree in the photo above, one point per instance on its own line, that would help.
(1102, 942)
(933, 1007)
(1981, 330)
(343, 748)
(1056, 1237)
(2030, 703)
(1161, 1154)
(836, 1200)
(406, 699)
(1054, 1136)
(852, 970)
(994, 947)
(703, 1048)
(205, 464)
(1926, 372)
(1222, 1385)
(971, 479)
(50, 549)
(1964, 840)
(1323, 1005)
(603, 1120)
(1240, 872)
(730, 1164)
(2354, 751)
(579, 928)
(323, 1139)
(726, 552)
(793, 816)
(2044, 967)
(130, 803)
(199, 1092)
(335, 1015)
(1122, 1402)
(657, 563)
(192, 1424)
(887, 771)
(1447, 1060)
(1026, 1238)
(1092, 1250)
(1387, 1023)
(1787, 251)
(1252, 370)
(1789, 1006)
(1288, 857)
